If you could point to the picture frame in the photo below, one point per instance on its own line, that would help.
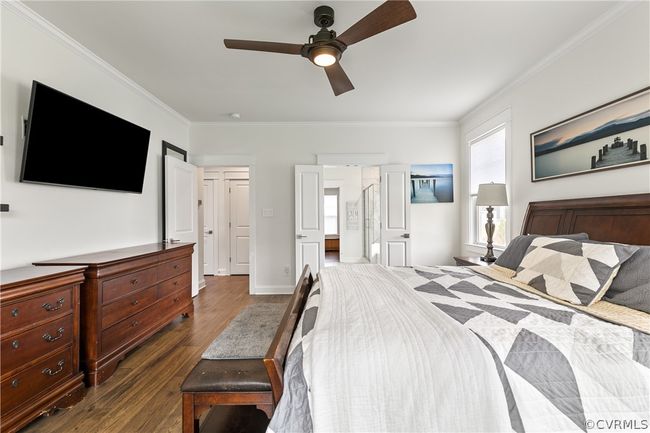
(610, 136)
(432, 183)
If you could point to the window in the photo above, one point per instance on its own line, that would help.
(487, 164)
(331, 208)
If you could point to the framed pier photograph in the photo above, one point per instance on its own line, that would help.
(432, 183)
(614, 135)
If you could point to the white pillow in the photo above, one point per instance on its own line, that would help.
(574, 271)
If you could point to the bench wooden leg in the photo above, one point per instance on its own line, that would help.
(190, 421)
(267, 409)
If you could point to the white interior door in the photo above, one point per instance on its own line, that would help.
(181, 209)
(395, 215)
(310, 233)
(239, 227)
(209, 259)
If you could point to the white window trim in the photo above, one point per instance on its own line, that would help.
(502, 119)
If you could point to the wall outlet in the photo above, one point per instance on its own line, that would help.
(267, 212)
(287, 270)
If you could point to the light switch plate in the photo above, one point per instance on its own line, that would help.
(268, 212)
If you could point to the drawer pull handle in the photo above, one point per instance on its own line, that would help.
(134, 282)
(176, 283)
(136, 302)
(176, 299)
(15, 383)
(49, 307)
(49, 372)
(47, 337)
(175, 266)
(135, 323)
(14, 312)
(15, 344)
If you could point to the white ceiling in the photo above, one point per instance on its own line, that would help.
(438, 67)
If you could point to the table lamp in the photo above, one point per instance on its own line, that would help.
(491, 194)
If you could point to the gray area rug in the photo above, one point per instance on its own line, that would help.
(249, 335)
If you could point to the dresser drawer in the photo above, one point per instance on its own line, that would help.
(175, 300)
(126, 284)
(175, 267)
(124, 331)
(127, 305)
(19, 388)
(20, 314)
(174, 284)
(26, 346)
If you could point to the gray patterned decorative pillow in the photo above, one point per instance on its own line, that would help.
(574, 271)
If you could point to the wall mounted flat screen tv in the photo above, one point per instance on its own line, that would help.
(71, 143)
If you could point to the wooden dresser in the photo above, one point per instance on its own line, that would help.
(128, 295)
(39, 353)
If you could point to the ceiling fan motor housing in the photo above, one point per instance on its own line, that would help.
(324, 16)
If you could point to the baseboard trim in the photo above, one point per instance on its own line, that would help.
(273, 290)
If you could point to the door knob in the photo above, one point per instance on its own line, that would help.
(209, 232)
(406, 235)
(300, 236)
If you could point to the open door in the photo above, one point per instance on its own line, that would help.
(310, 233)
(395, 215)
(181, 209)
(239, 227)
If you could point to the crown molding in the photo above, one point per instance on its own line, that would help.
(587, 32)
(22, 10)
(395, 124)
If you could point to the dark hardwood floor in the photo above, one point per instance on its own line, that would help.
(332, 258)
(144, 393)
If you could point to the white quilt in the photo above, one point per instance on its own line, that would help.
(445, 349)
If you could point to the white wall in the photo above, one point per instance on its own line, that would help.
(274, 150)
(50, 221)
(612, 62)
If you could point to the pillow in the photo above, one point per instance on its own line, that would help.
(516, 250)
(631, 287)
(574, 271)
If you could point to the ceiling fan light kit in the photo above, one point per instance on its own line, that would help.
(325, 49)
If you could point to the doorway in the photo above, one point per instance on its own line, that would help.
(332, 222)
(349, 220)
(360, 211)
(226, 230)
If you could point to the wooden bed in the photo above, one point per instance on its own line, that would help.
(624, 219)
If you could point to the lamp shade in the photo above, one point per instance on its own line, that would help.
(492, 194)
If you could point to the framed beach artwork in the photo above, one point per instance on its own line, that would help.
(432, 183)
(614, 135)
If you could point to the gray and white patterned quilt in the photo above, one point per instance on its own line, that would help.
(448, 349)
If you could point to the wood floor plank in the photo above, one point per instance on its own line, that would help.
(143, 395)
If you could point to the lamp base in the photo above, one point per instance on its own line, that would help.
(488, 259)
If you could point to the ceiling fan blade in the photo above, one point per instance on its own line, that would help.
(271, 47)
(338, 79)
(390, 14)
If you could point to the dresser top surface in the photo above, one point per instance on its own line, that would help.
(27, 274)
(110, 256)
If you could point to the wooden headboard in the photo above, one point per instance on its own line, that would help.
(624, 218)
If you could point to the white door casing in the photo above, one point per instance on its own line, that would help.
(395, 215)
(181, 208)
(209, 257)
(239, 227)
(310, 231)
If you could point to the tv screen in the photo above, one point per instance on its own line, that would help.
(71, 143)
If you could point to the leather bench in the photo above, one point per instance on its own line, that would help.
(249, 382)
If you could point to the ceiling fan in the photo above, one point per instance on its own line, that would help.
(325, 48)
